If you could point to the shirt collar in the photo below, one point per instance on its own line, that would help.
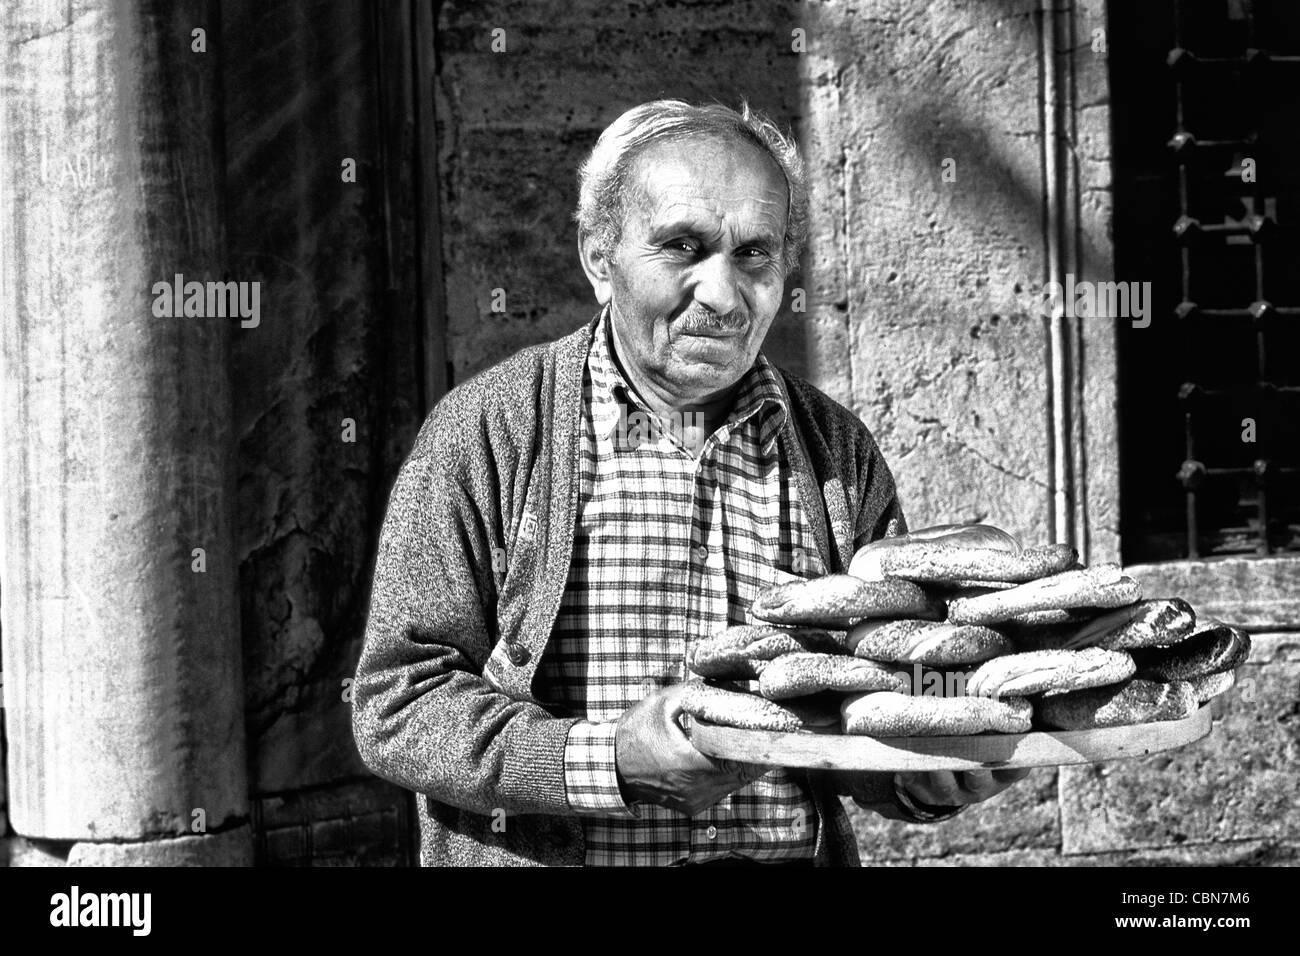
(760, 392)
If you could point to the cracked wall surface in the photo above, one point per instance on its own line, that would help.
(513, 126)
(333, 345)
(918, 316)
(946, 365)
(920, 301)
(917, 290)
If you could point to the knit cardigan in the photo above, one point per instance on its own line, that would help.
(473, 559)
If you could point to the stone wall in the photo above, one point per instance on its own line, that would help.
(921, 293)
(922, 126)
(512, 127)
(144, 152)
(327, 401)
(329, 349)
(915, 286)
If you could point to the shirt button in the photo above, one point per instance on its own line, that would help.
(518, 654)
(711, 832)
(701, 553)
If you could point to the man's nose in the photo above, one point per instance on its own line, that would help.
(716, 284)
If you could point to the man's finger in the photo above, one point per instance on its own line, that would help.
(1012, 775)
(672, 700)
(938, 788)
(744, 771)
(977, 782)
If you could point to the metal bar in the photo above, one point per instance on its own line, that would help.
(1259, 387)
(1289, 311)
(1237, 61)
(1261, 353)
(1189, 438)
(1225, 143)
(1193, 551)
(1222, 472)
(1185, 262)
(1201, 165)
(1062, 512)
(1261, 499)
(430, 279)
(1227, 228)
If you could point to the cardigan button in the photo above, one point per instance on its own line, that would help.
(518, 654)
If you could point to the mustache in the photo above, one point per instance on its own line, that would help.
(706, 320)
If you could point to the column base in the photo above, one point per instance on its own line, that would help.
(229, 848)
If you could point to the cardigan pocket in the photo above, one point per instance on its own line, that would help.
(509, 669)
(514, 568)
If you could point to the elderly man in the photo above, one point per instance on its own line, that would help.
(543, 568)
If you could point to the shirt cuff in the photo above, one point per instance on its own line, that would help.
(590, 772)
(922, 812)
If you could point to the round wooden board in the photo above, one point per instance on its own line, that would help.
(834, 751)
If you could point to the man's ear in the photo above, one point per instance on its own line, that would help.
(596, 264)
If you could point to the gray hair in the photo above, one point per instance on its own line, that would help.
(604, 189)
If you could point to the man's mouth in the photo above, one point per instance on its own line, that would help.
(714, 333)
(714, 330)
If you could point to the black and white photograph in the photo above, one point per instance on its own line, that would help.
(747, 434)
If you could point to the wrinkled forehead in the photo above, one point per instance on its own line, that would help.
(719, 181)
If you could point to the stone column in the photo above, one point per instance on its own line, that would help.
(122, 683)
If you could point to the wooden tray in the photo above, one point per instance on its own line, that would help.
(835, 751)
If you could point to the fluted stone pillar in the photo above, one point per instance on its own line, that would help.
(122, 683)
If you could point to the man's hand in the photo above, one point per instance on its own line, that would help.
(657, 764)
(941, 788)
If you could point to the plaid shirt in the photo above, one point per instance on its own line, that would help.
(668, 550)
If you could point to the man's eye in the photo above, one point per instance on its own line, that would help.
(680, 245)
(753, 253)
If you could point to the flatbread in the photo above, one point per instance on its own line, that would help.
(1212, 685)
(936, 643)
(1211, 649)
(749, 711)
(1032, 672)
(1145, 624)
(798, 675)
(740, 651)
(866, 560)
(1103, 586)
(1030, 621)
(887, 714)
(934, 562)
(837, 600)
(967, 588)
(1131, 702)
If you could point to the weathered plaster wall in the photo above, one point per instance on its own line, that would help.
(301, 93)
(916, 288)
(919, 295)
(921, 314)
(123, 703)
(135, 142)
(513, 126)
(944, 363)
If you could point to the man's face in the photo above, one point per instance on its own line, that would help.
(698, 274)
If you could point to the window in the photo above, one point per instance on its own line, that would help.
(1206, 113)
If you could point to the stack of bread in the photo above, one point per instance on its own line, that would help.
(959, 630)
